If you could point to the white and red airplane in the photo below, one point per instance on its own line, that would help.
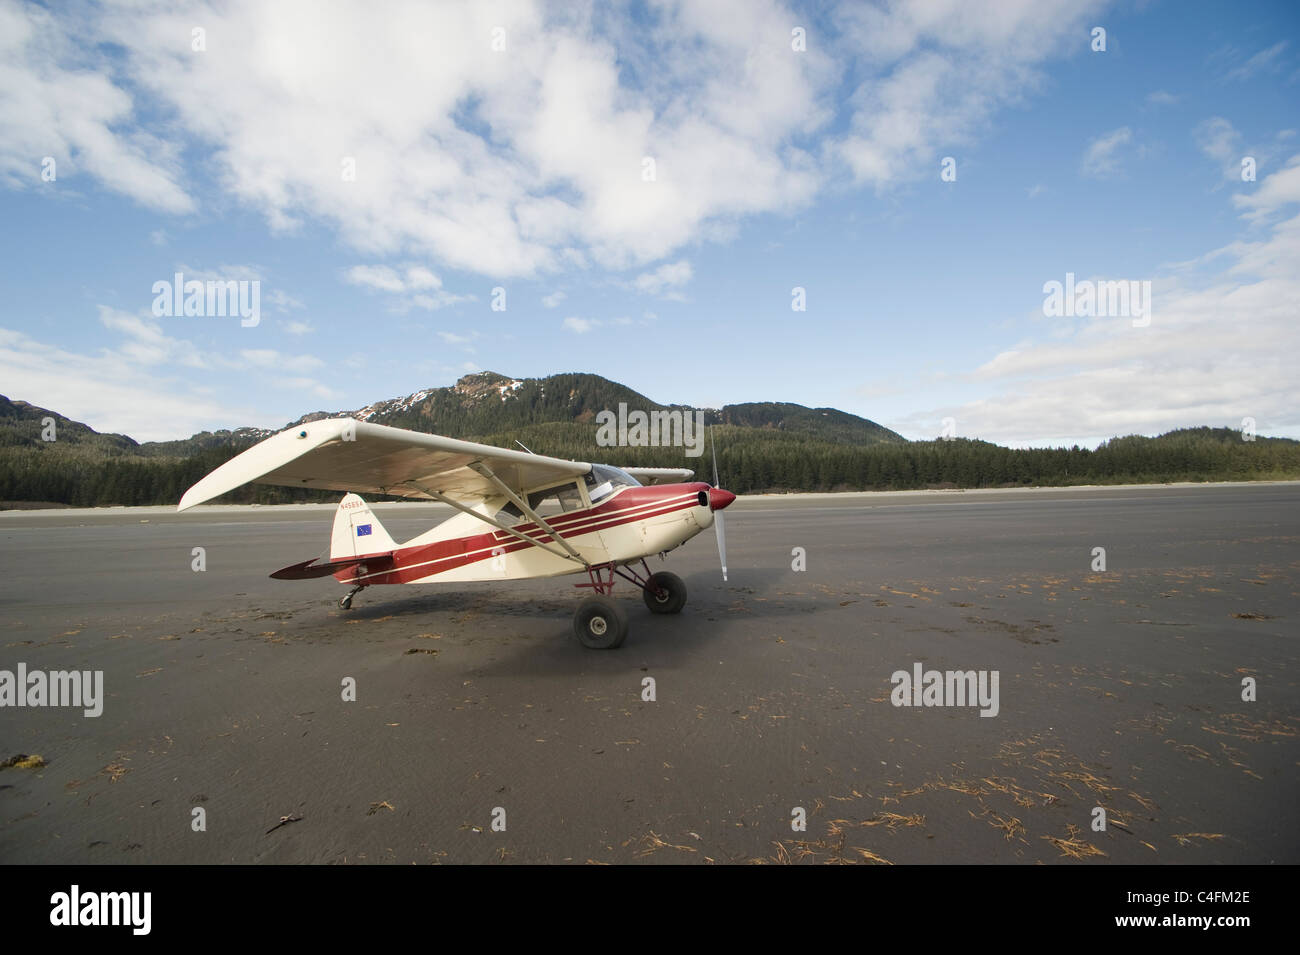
(608, 519)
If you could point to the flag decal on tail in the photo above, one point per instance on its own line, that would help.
(363, 530)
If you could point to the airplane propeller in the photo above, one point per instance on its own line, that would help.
(719, 503)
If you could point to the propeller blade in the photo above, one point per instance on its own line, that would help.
(717, 515)
(714, 448)
(722, 542)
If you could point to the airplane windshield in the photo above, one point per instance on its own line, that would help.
(603, 480)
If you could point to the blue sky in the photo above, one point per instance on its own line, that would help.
(523, 168)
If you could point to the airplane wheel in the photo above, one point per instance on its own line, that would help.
(345, 603)
(666, 593)
(600, 624)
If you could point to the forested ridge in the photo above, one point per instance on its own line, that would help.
(760, 447)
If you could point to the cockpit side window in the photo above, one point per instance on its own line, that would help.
(570, 497)
(564, 497)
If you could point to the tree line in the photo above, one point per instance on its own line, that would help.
(749, 460)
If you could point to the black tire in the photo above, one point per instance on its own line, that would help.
(345, 603)
(600, 623)
(666, 593)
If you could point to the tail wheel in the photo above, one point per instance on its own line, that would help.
(345, 603)
(665, 593)
(600, 624)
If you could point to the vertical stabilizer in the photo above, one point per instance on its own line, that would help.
(357, 532)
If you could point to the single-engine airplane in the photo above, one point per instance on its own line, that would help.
(609, 519)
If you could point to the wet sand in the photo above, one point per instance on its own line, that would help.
(1118, 689)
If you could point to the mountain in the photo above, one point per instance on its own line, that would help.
(554, 415)
(477, 406)
(764, 446)
(22, 424)
(486, 403)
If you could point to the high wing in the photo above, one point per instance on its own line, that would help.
(342, 454)
(649, 476)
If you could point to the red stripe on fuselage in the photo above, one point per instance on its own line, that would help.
(579, 522)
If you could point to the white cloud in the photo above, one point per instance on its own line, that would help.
(581, 326)
(52, 105)
(306, 386)
(1266, 60)
(1275, 192)
(422, 278)
(148, 383)
(1161, 98)
(146, 342)
(526, 161)
(290, 371)
(462, 341)
(281, 300)
(278, 361)
(1218, 139)
(665, 280)
(558, 179)
(1100, 159)
(437, 300)
(553, 300)
(379, 277)
(126, 391)
(415, 287)
(224, 273)
(935, 70)
(299, 328)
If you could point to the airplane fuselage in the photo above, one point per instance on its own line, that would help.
(632, 523)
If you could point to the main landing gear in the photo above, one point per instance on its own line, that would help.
(600, 623)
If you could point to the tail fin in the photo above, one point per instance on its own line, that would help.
(357, 532)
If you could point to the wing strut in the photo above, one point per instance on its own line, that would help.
(520, 503)
(444, 499)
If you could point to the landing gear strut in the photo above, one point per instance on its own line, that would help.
(600, 623)
(345, 602)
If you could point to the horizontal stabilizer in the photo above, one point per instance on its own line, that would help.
(310, 568)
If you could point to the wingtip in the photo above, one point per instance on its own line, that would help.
(189, 499)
